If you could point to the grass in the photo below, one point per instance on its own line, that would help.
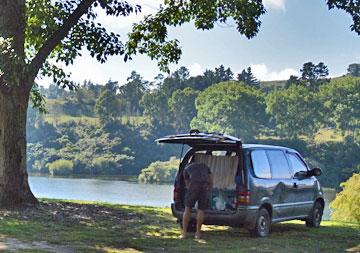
(322, 136)
(328, 135)
(60, 119)
(94, 227)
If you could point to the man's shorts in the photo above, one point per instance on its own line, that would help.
(197, 193)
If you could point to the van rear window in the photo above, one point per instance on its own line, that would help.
(260, 164)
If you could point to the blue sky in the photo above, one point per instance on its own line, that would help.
(292, 32)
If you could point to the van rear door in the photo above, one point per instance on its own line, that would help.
(201, 139)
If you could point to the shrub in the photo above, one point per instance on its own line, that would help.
(61, 167)
(160, 172)
(104, 165)
(81, 166)
(346, 205)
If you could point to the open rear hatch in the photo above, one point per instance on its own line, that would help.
(201, 139)
(224, 168)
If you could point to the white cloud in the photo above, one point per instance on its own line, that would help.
(195, 69)
(275, 4)
(262, 73)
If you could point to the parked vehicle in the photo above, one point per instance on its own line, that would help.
(254, 185)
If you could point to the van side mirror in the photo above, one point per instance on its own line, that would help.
(315, 172)
(301, 175)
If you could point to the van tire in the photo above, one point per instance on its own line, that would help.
(262, 225)
(191, 227)
(315, 216)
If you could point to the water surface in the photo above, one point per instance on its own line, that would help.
(111, 191)
(114, 191)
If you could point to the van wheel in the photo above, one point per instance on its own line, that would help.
(191, 227)
(315, 216)
(263, 223)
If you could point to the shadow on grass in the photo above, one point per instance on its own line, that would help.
(116, 228)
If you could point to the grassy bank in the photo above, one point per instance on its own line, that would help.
(57, 226)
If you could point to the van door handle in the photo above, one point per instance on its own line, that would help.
(295, 185)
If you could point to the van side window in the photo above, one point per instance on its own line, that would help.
(279, 165)
(296, 163)
(260, 164)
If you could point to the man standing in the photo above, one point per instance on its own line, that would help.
(198, 181)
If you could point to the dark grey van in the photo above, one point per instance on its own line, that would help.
(254, 185)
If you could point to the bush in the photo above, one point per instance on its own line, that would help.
(81, 166)
(61, 167)
(40, 167)
(160, 172)
(346, 205)
(104, 165)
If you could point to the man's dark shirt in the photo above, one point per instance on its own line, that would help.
(197, 173)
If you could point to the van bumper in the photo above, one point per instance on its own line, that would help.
(244, 216)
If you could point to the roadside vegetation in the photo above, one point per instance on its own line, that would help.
(110, 129)
(59, 226)
(346, 206)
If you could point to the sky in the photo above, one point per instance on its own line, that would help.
(292, 32)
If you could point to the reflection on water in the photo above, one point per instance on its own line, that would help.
(117, 192)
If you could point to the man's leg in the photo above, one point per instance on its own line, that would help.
(199, 222)
(202, 205)
(185, 220)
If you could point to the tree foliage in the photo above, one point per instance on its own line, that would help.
(232, 108)
(156, 107)
(61, 167)
(247, 77)
(351, 7)
(58, 30)
(312, 76)
(341, 100)
(354, 69)
(177, 80)
(150, 36)
(132, 92)
(182, 104)
(108, 107)
(294, 111)
(346, 205)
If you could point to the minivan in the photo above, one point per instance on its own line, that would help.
(254, 185)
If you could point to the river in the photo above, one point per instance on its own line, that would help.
(113, 191)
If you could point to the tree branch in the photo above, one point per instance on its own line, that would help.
(56, 38)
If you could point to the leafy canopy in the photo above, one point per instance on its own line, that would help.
(346, 205)
(108, 107)
(182, 104)
(232, 108)
(44, 20)
(293, 111)
(341, 100)
(150, 36)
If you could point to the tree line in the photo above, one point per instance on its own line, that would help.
(288, 112)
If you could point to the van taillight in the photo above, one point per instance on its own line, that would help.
(243, 198)
(176, 194)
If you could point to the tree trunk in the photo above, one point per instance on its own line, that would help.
(14, 187)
